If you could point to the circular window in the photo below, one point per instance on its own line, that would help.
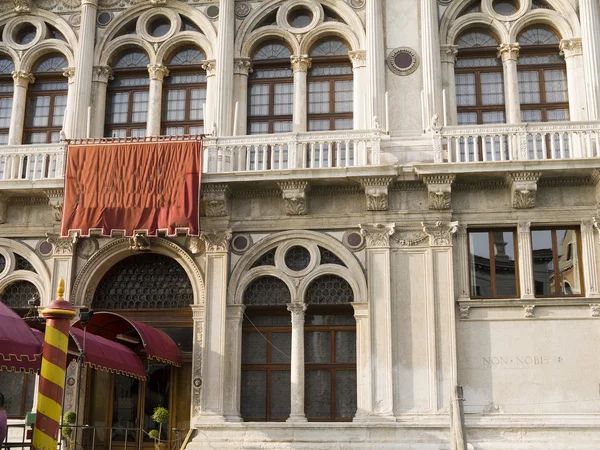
(45, 248)
(353, 240)
(26, 34)
(104, 18)
(297, 258)
(403, 61)
(212, 12)
(159, 27)
(300, 18)
(506, 7)
(241, 243)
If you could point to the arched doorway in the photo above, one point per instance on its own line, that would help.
(153, 289)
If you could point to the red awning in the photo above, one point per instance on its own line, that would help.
(20, 349)
(103, 354)
(141, 338)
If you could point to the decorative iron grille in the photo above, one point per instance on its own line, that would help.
(297, 258)
(22, 264)
(267, 259)
(329, 290)
(18, 294)
(267, 291)
(328, 257)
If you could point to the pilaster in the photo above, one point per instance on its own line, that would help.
(448, 57)
(297, 363)
(157, 74)
(226, 33)
(525, 260)
(431, 62)
(572, 49)
(360, 80)
(523, 188)
(439, 190)
(212, 404)
(376, 192)
(214, 198)
(300, 66)
(70, 74)
(17, 118)
(462, 257)
(198, 353)
(235, 318)
(588, 256)
(101, 75)
(210, 66)
(63, 261)
(380, 310)
(589, 13)
(364, 373)
(375, 51)
(510, 54)
(295, 197)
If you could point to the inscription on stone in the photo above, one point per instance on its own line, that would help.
(520, 362)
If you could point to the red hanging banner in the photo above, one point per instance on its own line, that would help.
(128, 187)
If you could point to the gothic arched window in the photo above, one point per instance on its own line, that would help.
(46, 101)
(6, 97)
(18, 294)
(184, 93)
(127, 96)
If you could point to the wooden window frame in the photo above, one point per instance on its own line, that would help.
(187, 123)
(27, 379)
(490, 233)
(32, 93)
(128, 125)
(555, 259)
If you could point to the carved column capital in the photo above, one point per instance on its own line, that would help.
(448, 53)
(22, 78)
(358, 58)
(439, 189)
(21, 6)
(214, 198)
(376, 192)
(300, 63)
(508, 52)
(216, 241)
(157, 72)
(102, 74)
(440, 233)
(158, 2)
(523, 227)
(210, 66)
(378, 235)
(523, 187)
(294, 194)
(297, 310)
(571, 47)
(69, 73)
(63, 246)
(242, 66)
(55, 199)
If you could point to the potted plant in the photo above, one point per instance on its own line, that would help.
(69, 418)
(161, 417)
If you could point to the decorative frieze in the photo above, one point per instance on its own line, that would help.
(378, 235)
(216, 241)
(523, 187)
(409, 238)
(300, 63)
(439, 189)
(508, 52)
(440, 233)
(376, 192)
(295, 197)
(214, 198)
(55, 199)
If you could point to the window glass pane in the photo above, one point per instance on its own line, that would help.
(280, 394)
(140, 107)
(345, 346)
(118, 133)
(543, 263)
(284, 99)
(259, 100)
(5, 111)
(556, 86)
(125, 408)
(198, 99)
(182, 336)
(138, 132)
(317, 400)
(319, 125)
(158, 385)
(282, 127)
(478, 62)
(493, 117)
(329, 319)
(568, 262)
(481, 280)
(530, 60)
(118, 107)
(254, 394)
(329, 70)
(344, 124)
(555, 115)
(318, 97)
(529, 87)
(281, 350)
(468, 118)
(55, 137)
(492, 88)
(272, 51)
(345, 394)
(504, 259)
(36, 138)
(317, 346)
(11, 385)
(42, 86)
(258, 128)
(271, 73)
(38, 111)
(3, 139)
(196, 130)
(343, 96)
(531, 115)
(465, 89)
(174, 131)
(185, 78)
(129, 82)
(174, 107)
(60, 105)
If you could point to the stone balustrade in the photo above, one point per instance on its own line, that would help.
(32, 162)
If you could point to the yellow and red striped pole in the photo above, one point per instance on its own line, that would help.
(58, 317)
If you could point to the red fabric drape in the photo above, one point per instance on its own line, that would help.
(132, 186)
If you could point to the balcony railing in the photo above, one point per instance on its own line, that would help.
(292, 151)
(32, 162)
(520, 142)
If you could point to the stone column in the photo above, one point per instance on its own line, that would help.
(241, 68)
(375, 62)
(509, 54)
(198, 354)
(157, 74)
(63, 262)
(235, 318)
(211, 92)
(361, 79)
(364, 399)
(588, 259)
(212, 397)
(573, 52)
(297, 363)
(525, 260)
(380, 310)
(68, 123)
(17, 117)
(82, 89)
(431, 63)
(101, 76)
(448, 55)
(224, 106)
(300, 65)
(462, 258)
(589, 14)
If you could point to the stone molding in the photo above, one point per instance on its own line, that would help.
(216, 241)
(102, 74)
(294, 194)
(440, 233)
(242, 66)
(377, 235)
(215, 197)
(22, 78)
(508, 52)
(409, 238)
(300, 63)
(571, 47)
(523, 187)
(439, 189)
(376, 192)
(158, 72)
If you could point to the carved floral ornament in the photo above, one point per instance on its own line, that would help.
(523, 187)
(440, 233)
(376, 192)
(378, 235)
(294, 194)
(216, 241)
